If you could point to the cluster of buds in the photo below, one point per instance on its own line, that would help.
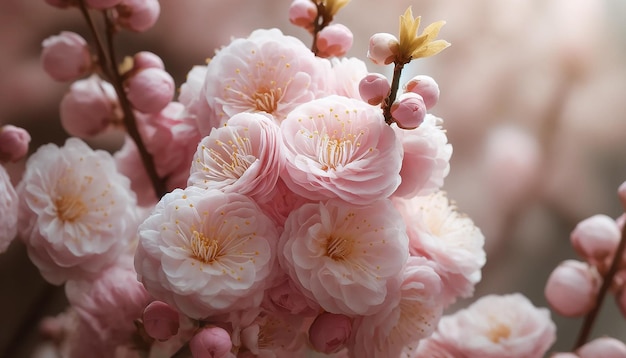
(315, 16)
(421, 93)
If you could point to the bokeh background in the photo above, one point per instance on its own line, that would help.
(532, 96)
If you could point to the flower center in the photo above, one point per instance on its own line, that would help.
(266, 100)
(203, 248)
(499, 332)
(338, 248)
(70, 208)
(233, 158)
(335, 152)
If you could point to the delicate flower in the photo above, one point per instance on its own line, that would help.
(346, 75)
(275, 335)
(193, 96)
(413, 46)
(340, 147)
(206, 252)
(402, 325)
(572, 288)
(506, 326)
(281, 202)
(437, 231)
(13, 143)
(285, 297)
(267, 72)
(77, 213)
(244, 156)
(110, 303)
(9, 209)
(348, 258)
(426, 160)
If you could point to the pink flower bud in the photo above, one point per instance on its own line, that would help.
(426, 87)
(383, 48)
(409, 110)
(605, 347)
(302, 13)
(334, 40)
(65, 57)
(160, 320)
(374, 88)
(102, 4)
(596, 239)
(89, 107)
(13, 143)
(211, 342)
(150, 90)
(138, 15)
(572, 287)
(330, 332)
(146, 59)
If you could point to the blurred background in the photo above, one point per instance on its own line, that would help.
(532, 97)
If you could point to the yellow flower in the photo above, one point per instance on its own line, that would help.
(413, 46)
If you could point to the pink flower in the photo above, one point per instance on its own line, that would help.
(244, 156)
(275, 335)
(66, 57)
(437, 231)
(506, 326)
(110, 303)
(348, 258)
(160, 320)
(329, 332)
(340, 147)
(605, 347)
(77, 213)
(346, 74)
(206, 252)
(402, 325)
(426, 160)
(193, 96)
(9, 209)
(285, 297)
(281, 202)
(267, 72)
(13, 143)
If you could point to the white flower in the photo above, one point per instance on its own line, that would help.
(8, 208)
(77, 213)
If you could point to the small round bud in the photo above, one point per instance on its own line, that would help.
(150, 90)
(426, 87)
(13, 143)
(89, 107)
(595, 239)
(330, 332)
(302, 13)
(334, 40)
(211, 342)
(572, 287)
(138, 15)
(160, 320)
(383, 48)
(102, 4)
(409, 110)
(605, 347)
(374, 88)
(65, 57)
(146, 59)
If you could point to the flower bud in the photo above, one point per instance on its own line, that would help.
(334, 40)
(596, 239)
(65, 57)
(160, 320)
(89, 107)
(13, 143)
(374, 88)
(150, 90)
(302, 13)
(605, 347)
(409, 110)
(146, 59)
(138, 15)
(211, 342)
(330, 332)
(426, 87)
(102, 4)
(383, 48)
(572, 287)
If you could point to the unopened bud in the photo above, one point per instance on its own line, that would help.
(302, 13)
(150, 90)
(374, 88)
(605, 347)
(409, 110)
(146, 59)
(334, 40)
(383, 48)
(138, 15)
(13, 143)
(595, 239)
(572, 287)
(426, 87)
(330, 332)
(160, 320)
(65, 57)
(211, 342)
